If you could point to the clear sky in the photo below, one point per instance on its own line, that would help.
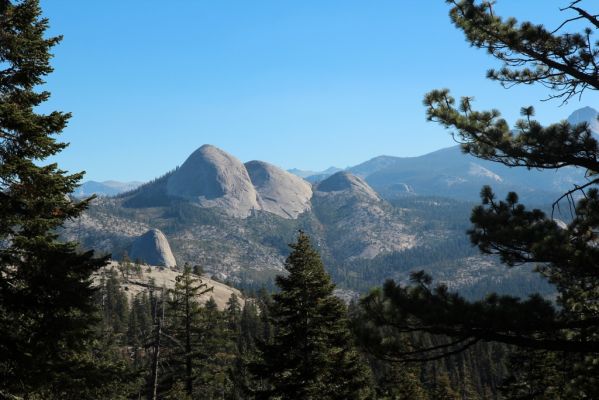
(305, 84)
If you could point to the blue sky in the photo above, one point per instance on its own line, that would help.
(305, 84)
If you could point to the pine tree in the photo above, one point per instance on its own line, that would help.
(157, 301)
(311, 355)
(467, 389)
(567, 63)
(264, 302)
(47, 309)
(115, 306)
(443, 389)
(546, 375)
(139, 328)
(184, 317)
(216, 352)
(401, 382)
(233, 311)
(246, 350)
(394, 380)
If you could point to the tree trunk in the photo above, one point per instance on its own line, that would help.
(188, 366)
(156, 355)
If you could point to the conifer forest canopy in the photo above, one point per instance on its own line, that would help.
(77, 325)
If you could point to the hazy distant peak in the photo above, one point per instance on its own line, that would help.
(374, 164)
(583, 113)
(105, 188)
(117, 184)
(588, 115)
(482, 172)
(331, 170)
(300, 172)
(308, 174)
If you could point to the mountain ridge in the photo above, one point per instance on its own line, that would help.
(445, 172)
(213, 178)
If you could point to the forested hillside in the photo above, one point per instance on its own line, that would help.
(230, 280)
(158, 331)
(363, 241)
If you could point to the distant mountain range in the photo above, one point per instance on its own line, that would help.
(450, 173)
(377, 220)
(235, 219)
(446, 172)
(314, 176)
(106, 188)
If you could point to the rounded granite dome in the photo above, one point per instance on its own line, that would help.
(214, 178)
(345, 182)
(279, 192)
(153, 248)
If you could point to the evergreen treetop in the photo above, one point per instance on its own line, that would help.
(47, 310)
(311, 355)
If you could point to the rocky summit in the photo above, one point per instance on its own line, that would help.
(153, 248)
(357, 222)
(214, 178)
(370, 222)
(279, 192)
(235, 219)
(345, 181)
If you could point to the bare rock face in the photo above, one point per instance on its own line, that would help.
(357, 221)
(279, 192)
(153, 248)
(345, 182)
(167, 278)
(214, 178)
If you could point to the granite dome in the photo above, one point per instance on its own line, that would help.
(153, 248)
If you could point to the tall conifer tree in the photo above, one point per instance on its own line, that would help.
(311, 355)
(184, 312)
(46, 299)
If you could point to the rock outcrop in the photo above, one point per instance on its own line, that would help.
(356, 220)
(279, 192)
(211, 177)
(152, 248)
(137, 283)
(345, 182)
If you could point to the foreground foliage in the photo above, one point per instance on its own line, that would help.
(311, 354)
(62, 338)
(48, 342)
(566, 255)
(257, 347)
